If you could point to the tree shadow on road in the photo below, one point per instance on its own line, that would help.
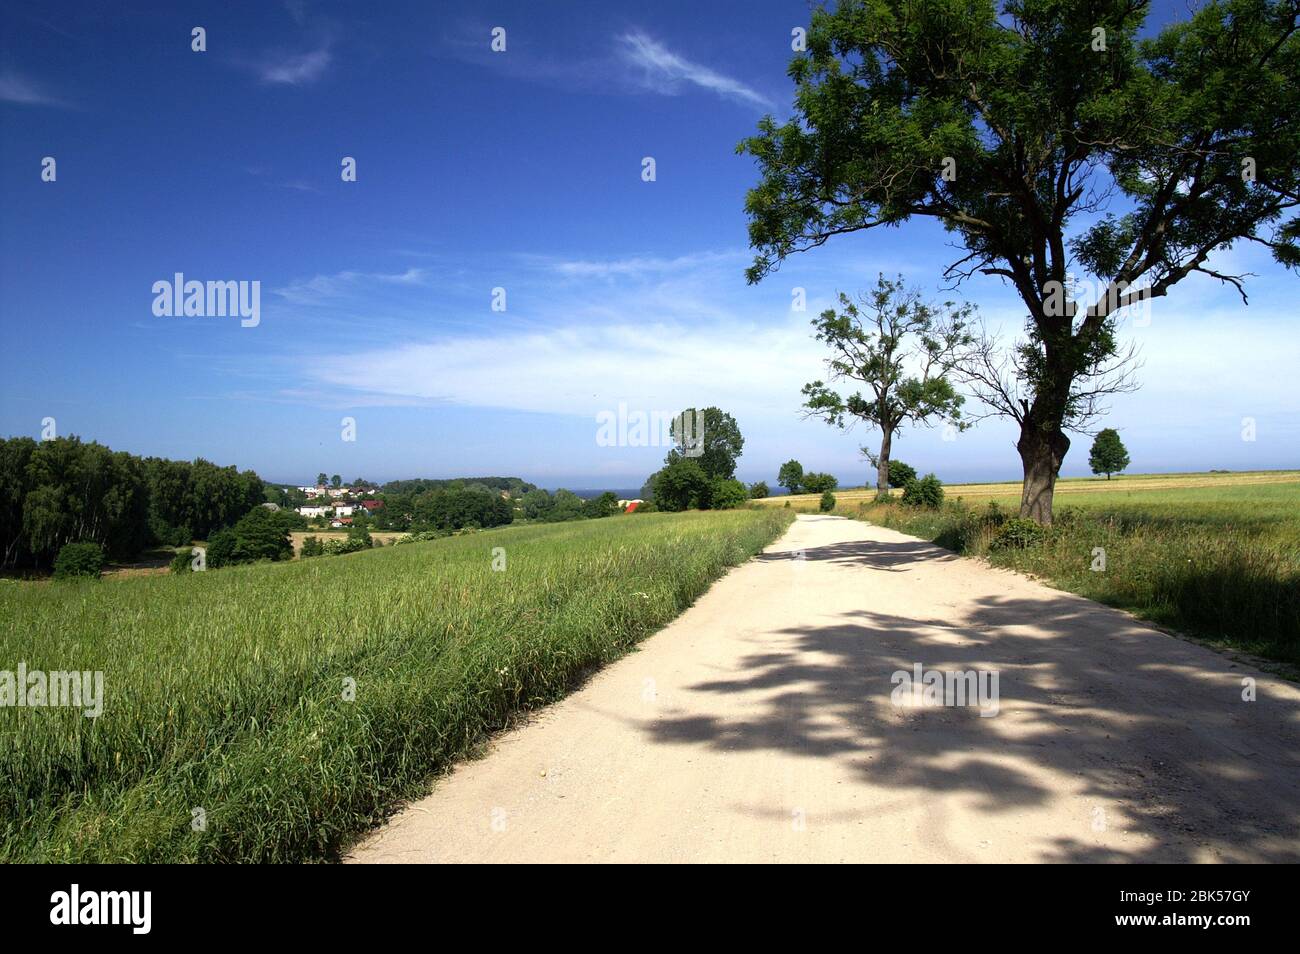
(880, 555)
(1150, 730)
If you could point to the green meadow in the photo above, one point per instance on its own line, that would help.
(1216, 557)
(273, 712)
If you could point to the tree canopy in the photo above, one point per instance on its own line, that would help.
(1048, 138)
(902, 349)
(1108, 455)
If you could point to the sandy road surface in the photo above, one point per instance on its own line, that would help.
(759, 727)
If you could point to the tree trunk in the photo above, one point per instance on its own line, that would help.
(882, 470)
(1042, 449)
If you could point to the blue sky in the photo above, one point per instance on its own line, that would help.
(478, 170)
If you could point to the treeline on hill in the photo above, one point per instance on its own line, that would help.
(64, 490)
(447, 507)
(418, 485)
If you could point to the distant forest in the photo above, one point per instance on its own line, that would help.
(418, 485)
(65, 490)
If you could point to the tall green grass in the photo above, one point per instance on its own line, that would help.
(224, 691)
(1222, 564)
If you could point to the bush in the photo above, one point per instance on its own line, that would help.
(221, 549)
(340, 547)
(828, 502)
(759, 490)
(312, 547)
(362, 536)
(606, 505)
(261, 534)
(900, 473)
(422, 537)
(727, 494)
(1017, 533)
(171, 536)
(182, 562)
(78, 559)
(925, 492)
(814, 483)
(680, 485)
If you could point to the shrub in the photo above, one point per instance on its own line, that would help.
(171, 536)
(925, 492)
(727, 494)
(421, 537)
(900, 473)
(680, 485)
(339, 547)
(78, 559)
(1017, 533)
(182, 562)
(758, 490)
(828, 502)
(606, 505)
(312, 547)
(815, 483)
(260, 534)
(221, 549)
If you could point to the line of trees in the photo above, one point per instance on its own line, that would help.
(65, 490)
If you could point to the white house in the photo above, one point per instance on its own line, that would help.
(313, 511)
(344, 511)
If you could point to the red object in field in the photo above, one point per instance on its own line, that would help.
(631, 507)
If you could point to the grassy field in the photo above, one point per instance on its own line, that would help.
(225, 691)
(1074, 491)
(1216, 556)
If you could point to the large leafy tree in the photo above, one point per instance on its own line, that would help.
(1048, 138)
(902, 349)
(711, 437)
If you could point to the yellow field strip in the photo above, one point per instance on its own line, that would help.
(1076, 485)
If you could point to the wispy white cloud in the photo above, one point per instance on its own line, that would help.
(296, 69)
(664, 72)
(324, 289)
(581, 370)
(638, 266)
(16, 88)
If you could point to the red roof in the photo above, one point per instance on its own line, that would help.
(372, 504)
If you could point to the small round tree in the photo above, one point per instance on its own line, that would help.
(1108, 455)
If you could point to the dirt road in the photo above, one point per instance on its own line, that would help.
(761, 726)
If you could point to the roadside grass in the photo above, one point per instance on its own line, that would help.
(224, 691)
(1222, 564)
